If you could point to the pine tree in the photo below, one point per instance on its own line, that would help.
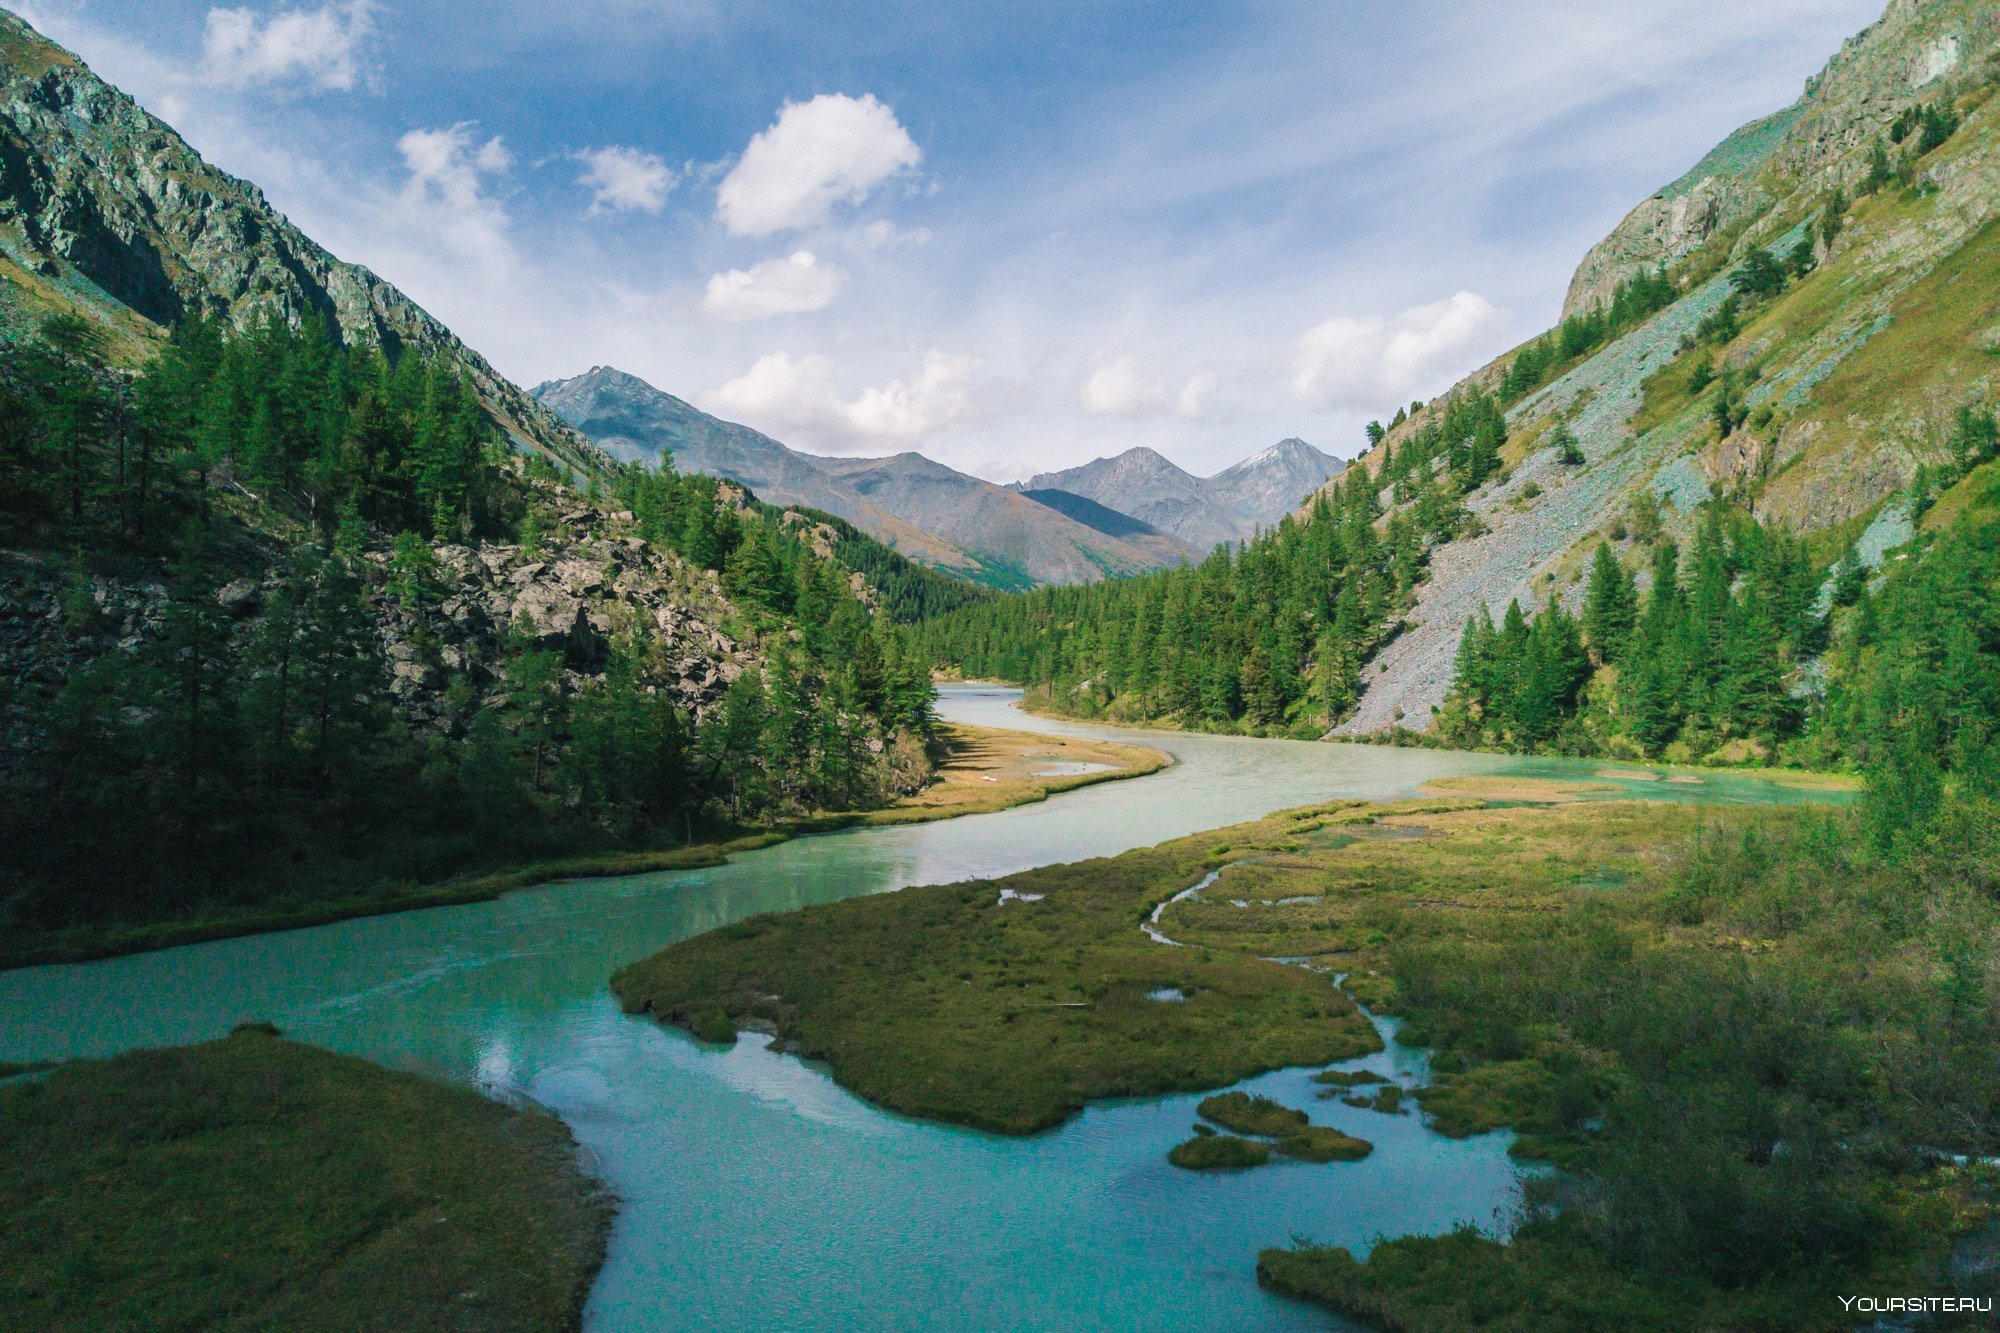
(1610, 607)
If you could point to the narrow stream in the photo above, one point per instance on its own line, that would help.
(756, 1194)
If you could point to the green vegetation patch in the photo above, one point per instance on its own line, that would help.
(1346, 1078)
(1515, 1092)
(1388, 1099)
(945, 1002)
(258, 1183)
(1247, 1114)
(1323, 1143)
(1219, 1152)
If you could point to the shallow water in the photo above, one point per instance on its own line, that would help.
(757, 1194)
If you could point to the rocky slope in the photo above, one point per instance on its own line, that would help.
(106, 211)
(925, 510)
(588, 579)
(1919, 49)
(1850, 379)
(1201, 511)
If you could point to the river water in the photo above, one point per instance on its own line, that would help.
(756, 1194)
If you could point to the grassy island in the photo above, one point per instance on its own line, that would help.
(1322, 1143)
(1009, 1014)
(1219, 1152)
(1251, 1115)
(254, 1182)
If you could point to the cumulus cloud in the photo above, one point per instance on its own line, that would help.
(449, 170)
(1120, 387)
(817, 154)
(317, 47)
(624, 179)
(784, 393)
(789, 286)
(1361, 364)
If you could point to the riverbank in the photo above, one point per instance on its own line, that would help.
(256, 1182)
(982, 770)
(1653, 994)
(1039, 702)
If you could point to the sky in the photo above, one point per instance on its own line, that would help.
(1013, 236)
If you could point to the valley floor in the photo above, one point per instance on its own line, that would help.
(1652, 995)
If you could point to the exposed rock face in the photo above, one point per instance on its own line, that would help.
(572, 597)
(930, 513)
(98, 197)
(572, 600)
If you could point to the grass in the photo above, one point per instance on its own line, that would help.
(1219, 1152)
(1322, 1143)
(1344, 1078)
(256, 1183)
(972, 754)
(948, 1003)
(1246, 1114)
(1388, 1099)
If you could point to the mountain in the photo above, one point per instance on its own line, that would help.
(1849, 381)
(106, 212)
(1203, 512)
(1270, 483)
(308, 601)
(929, 512)
(634, 422)
(1092, 514)
(1773, 392)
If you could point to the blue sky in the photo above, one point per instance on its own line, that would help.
(1013, 236)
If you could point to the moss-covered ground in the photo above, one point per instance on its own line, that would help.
(256, 1183)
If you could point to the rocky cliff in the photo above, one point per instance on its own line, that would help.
(1919, 49)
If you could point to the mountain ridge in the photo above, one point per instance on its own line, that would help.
(106, 207)
(928, 511)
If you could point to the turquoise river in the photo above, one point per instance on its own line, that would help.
(754, 1193)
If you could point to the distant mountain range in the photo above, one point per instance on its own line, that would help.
(1202, 512)
(1111, 518)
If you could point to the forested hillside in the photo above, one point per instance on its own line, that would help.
(289, 617)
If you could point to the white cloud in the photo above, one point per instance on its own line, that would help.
(320, 47)
(784, 393)
(446, 190)
(1364, 364)
(1121, 388)
(624, 179)
(882, 234)
(789, 286)
(832, 149)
